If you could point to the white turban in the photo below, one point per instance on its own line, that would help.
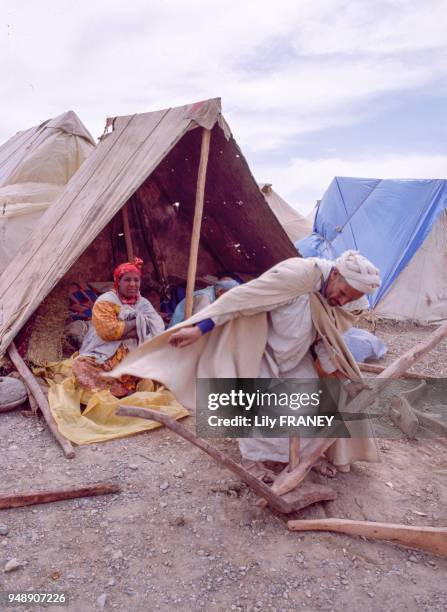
(358, 271)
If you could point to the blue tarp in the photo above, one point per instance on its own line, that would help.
(386, 220)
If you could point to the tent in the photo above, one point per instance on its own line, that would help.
(295, 225)
(35, 165)
(146, 166)
(401, 225)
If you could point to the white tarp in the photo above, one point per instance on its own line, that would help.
(35, 165)
(294, 224)
(420, 290)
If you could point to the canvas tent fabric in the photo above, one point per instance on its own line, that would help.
(35, 165)
(400, 225)
(294, 223)
(149, 163)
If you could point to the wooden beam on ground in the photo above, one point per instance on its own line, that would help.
(127, 233)
(30, 498)
(197, 224)
(31, 382)
(309, 494)
(378, 369)
(430, 539)
(287, 481)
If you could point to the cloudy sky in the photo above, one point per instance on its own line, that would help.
(311, 88)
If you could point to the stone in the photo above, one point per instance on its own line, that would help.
(133, 466)
(164, 486)
(101, 601)
(12, 565)
(111, 582)
(12, 393)
(4, 529)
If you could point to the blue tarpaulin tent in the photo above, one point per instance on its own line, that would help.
(388, 221)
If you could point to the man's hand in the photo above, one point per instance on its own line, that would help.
(185, 337)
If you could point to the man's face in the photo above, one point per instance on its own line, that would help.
(129, 284)
(338, 292)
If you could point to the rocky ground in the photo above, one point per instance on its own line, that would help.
(184, 533)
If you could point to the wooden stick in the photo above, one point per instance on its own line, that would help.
(402, 415)
(294, 452)
(257, 485)
(430, 539)
(378, 369)
(198, 212)
(287, 481)
(127, 234)
(29, 498)
(40, 398)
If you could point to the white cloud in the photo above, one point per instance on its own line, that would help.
(282, 69)
(301, 182)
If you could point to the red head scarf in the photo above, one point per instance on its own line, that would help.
(130, 266)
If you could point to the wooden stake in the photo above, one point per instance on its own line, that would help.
(197, 224)
(29, 498)
(287, 481)
(402, 415)
(430, 539)
(127, 234)
(294, 452)
(40, 398)
(307, 495)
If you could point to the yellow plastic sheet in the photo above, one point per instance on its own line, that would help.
(99, 422)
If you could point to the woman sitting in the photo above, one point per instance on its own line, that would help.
(121, 319)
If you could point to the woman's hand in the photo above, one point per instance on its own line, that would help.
(185, 337)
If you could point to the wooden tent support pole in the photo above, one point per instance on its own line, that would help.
(40, 398)
(430, 539)
(378, 369)
(287, 481)
(29, 498)
(127, 234)
(197, 224)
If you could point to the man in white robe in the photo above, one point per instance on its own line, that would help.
(287, 355)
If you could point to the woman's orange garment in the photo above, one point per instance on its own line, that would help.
(88, 374)
(105, 321)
